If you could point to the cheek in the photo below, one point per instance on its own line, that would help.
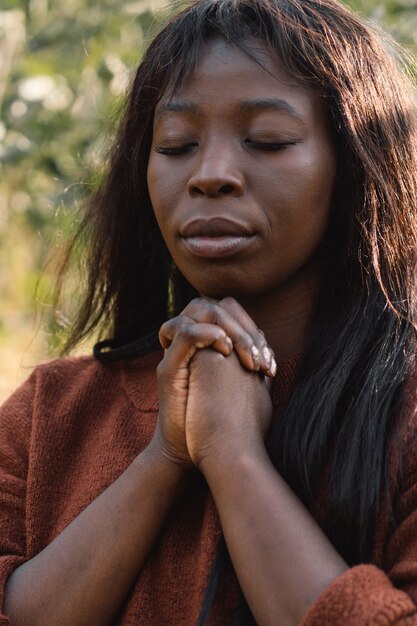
(301, 200)
(165, 183)
(155, 186)
(307, 181)
(164, 190)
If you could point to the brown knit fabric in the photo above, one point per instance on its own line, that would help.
(75, 426)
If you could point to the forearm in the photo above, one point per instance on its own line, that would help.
(83, 576)
(282, 558)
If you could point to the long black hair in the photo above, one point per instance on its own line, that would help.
(362, 335)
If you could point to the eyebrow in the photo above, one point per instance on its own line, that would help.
(246, 106)
(183, 106)
(269, 104)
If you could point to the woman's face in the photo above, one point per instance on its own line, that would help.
(241, 174)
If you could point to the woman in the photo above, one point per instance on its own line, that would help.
(260, 213)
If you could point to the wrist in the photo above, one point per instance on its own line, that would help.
(233, 460)
(169, 475)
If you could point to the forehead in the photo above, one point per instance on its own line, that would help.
(225, 75)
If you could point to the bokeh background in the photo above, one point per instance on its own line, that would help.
(64, 67)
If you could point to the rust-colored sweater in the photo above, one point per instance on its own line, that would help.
(76, 425)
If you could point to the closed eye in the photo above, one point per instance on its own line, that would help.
(269, 146)
(174, 150)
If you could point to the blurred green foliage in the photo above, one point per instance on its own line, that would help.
(64, 68)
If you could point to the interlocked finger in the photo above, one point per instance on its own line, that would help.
(216, 335)
(267, 356)
(186, 337)
(248, 341)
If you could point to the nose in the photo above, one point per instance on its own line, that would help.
(215, 175)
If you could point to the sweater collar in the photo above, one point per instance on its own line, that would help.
(138, 378)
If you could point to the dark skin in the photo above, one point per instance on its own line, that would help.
(272, 170)
(249, 145)
(215, 407)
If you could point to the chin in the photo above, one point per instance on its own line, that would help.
(218, 292)
(222, 284)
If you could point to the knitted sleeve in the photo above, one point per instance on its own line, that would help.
(15, 429)
(363, 596)
(368, 596)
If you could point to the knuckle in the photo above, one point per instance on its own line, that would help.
(187, 330)
(229, 303)
(212, 313)
(206, 311)
(170, 324)
(210, 308)
(200, 304)
(164, 329)
(177, 323)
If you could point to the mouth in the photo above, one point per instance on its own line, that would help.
(216, 237)
(212, 247)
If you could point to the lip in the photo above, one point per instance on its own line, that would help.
(216, 247)
(215, 227)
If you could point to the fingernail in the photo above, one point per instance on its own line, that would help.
(229, 343)
(255, 357)
(273, 368)
(266, 353)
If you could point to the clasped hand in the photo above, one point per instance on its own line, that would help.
(212, 384)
